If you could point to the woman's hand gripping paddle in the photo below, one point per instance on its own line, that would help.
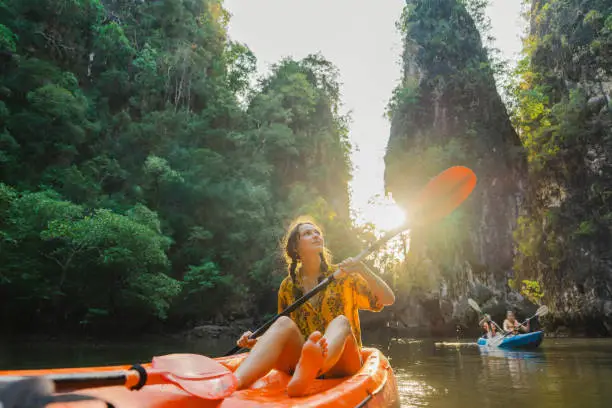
(441, 196)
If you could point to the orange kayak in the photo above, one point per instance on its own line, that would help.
(373, 385)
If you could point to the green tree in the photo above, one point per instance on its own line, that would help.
(146, 176)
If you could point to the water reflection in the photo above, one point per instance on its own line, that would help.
(442, 373)
(510, 372)
(450, 373)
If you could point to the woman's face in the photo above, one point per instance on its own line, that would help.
(310, 242)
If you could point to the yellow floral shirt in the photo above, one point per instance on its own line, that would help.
(341, 297)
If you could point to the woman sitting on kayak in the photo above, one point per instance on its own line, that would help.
(323, 335)
(512, 325)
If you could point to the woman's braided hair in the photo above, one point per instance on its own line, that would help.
(293, 258)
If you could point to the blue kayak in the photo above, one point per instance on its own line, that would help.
(523, 340)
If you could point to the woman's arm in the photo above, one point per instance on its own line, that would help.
(379, 287)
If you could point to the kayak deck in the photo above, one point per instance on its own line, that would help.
(523, 340)
(375, 377)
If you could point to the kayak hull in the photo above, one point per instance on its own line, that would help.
(519, 341)
(375, 378)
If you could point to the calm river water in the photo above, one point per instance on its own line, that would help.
(431, 373)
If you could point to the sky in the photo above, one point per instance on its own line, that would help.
(361, 40)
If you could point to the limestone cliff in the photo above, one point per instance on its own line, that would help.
(564, 117)
(447, 112)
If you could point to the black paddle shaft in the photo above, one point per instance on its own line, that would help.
(71, 382)
(75, 381)
(286, 312)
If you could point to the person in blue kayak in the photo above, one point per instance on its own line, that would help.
(511, 325)
(322, 336)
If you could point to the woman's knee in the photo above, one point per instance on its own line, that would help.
(285, 324)
(342, 323)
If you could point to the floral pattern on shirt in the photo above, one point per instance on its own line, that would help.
(343, 297)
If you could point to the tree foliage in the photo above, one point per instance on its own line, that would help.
(143, 177)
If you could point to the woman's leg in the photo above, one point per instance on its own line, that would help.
(343, 355)
(337, 354)
(279, 348)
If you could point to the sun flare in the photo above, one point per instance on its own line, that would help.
(384, 213)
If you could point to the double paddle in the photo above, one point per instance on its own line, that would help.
(441, 196)
(205, 377)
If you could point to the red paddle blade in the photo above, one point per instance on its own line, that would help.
(198, 375)
(443, 194)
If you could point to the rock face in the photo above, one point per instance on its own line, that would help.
(447, 112)
(565, 114)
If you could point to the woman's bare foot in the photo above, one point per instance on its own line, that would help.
(313, 355)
